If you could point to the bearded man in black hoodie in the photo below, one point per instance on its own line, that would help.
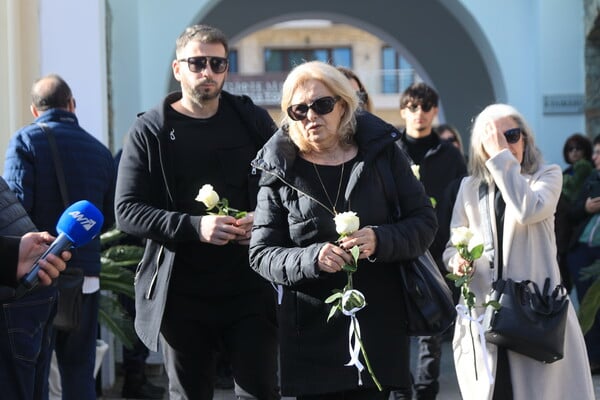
(194, 287)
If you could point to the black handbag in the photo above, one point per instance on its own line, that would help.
(70, 298)
(529, 321)
(428, 299)
(428, 302)
(70, 281)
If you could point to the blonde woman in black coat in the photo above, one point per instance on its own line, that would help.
(324, 161)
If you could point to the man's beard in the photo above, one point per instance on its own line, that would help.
(200, 96)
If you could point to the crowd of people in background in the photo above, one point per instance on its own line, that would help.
(584, 242)
(248, 292)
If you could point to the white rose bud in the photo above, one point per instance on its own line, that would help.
(461, 236)
(475, 241)
(346, 223)
(208, 196)
(416, 170)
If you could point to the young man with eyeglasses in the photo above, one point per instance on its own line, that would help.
(194, 288)
(440, 163)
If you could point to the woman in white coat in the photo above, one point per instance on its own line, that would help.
(504, 155)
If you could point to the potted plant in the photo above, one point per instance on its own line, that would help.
(590, 304)
(116, 277)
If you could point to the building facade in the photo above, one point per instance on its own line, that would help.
(540, 56)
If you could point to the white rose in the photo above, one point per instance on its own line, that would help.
(461, 236)
(346, 223)
(208, 196)
(416, 170)
(475, 241)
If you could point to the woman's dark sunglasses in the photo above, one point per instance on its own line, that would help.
(321, 106)
(513, 135)
(196, 64)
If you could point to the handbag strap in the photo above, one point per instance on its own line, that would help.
(389, 187)
(58, 167)
(488, 236)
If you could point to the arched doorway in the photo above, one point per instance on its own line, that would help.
(445, 41)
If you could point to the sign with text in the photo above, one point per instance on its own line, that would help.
(563, 104)
(264, 90)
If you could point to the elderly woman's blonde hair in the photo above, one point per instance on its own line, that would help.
(338, 85)
(532, 157)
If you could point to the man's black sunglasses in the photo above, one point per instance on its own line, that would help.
(513, 135)
(196, 64)
(321, 106)
(424, 107)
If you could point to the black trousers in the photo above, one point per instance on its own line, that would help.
(360, 394)
(503, 387)
(244, 327)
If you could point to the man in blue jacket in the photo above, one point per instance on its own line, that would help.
(90, 174)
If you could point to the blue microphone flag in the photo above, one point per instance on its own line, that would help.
(80, 222)
(77, 225)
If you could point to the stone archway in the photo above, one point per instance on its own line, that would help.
(444, 40)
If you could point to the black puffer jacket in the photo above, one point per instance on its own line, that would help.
(14, 221)
(289, 230)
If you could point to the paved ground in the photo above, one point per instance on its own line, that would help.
(448, 384)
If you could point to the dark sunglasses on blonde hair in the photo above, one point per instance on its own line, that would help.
(513, 135)
(196, 64)
(321, 106)
(363, 97)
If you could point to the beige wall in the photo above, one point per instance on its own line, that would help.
(19, 65)
(366, 53)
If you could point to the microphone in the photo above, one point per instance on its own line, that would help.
(77, 225)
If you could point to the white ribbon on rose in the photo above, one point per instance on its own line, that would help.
(463, 312)
(279, 290)
(354, 331)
